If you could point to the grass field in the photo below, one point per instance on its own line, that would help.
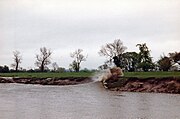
(47, 75)
(151, 74)
(89, 74)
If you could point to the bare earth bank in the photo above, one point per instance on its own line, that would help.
(47, 81)
(130, 84)
(152, 84)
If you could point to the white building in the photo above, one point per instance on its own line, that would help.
(175, 67)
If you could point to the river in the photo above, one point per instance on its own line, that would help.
(84, 101)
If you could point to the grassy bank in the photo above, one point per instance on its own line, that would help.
(89, 74)
(47, 75)
(152, 74)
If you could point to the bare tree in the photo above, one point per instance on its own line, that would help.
(55, 66)
(113, 51)
(43, 59)
(78, 58)
(17, 60)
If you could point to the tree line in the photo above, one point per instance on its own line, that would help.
(43, 59)
(136, 61)
(114, 52)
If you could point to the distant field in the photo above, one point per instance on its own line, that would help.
(89, 74)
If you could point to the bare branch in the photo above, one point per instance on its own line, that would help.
(17, 59)
(112, 49)
(78, 58)
(43, 59)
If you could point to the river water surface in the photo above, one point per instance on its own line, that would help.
(85, 101)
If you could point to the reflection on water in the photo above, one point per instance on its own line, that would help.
(86, 101)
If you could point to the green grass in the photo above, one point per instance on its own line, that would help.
(47, 75)
(89, 74)
(151, 74)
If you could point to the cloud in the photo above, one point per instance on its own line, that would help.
(66, 25)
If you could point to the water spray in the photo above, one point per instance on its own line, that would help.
(108, 74)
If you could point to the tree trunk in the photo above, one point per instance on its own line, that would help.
(42, 67)
(17, 67)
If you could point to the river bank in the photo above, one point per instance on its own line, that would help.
(151, 84)
(47, 81)
(128, 84)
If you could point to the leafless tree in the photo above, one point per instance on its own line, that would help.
(113, 51)
(78, 58)
(17, 59)
(55, 66)
(43, 59)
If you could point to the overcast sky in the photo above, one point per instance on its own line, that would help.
(66, 25)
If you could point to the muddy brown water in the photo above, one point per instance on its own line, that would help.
(85, 101)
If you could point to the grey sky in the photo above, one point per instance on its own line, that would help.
(66, 25)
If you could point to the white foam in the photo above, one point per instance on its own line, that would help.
(102, 75)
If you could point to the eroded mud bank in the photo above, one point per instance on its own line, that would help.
(152, 84)
(130, 84)
(47, 81)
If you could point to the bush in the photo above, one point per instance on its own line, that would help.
(4, 69)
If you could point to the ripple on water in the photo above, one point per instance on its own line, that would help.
(87, 101)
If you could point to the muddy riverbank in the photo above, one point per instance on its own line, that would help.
(47, 81)
(130, 84)
(151, 84)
